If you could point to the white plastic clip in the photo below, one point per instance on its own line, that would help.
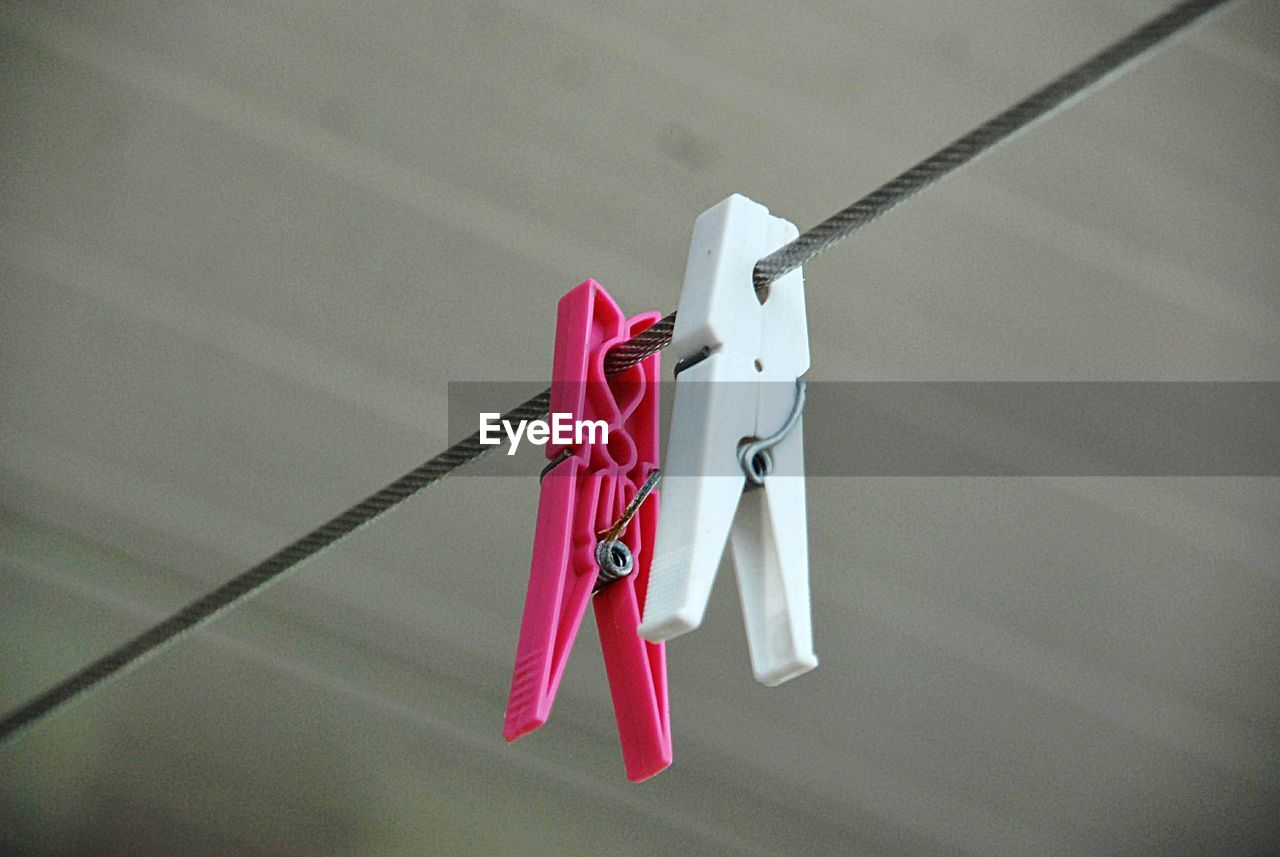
(739, 362)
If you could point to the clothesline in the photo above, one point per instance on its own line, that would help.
(1032, 110)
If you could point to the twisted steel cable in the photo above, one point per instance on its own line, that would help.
(253, 581)
(649, 341)
(1035, 108)
(1031, 110)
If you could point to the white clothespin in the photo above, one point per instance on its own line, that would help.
(737, 383)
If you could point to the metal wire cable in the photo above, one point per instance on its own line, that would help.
(1057, 95)
(1035, 108)
(253, 581)
(649, 341)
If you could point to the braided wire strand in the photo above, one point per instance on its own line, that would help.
(251, 582)
(1024, 114)
(1035, 108)
(644, 344)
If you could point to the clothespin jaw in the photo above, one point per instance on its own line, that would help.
(739, 361)
(582, 496)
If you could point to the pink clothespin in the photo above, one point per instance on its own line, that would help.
(586, 540)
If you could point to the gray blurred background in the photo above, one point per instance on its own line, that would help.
(245, 246)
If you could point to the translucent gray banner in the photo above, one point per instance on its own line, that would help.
(1125, 428)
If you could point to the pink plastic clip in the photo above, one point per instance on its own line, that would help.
(582, 496)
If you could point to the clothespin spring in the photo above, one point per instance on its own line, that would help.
(753, 455)
(614, 557)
